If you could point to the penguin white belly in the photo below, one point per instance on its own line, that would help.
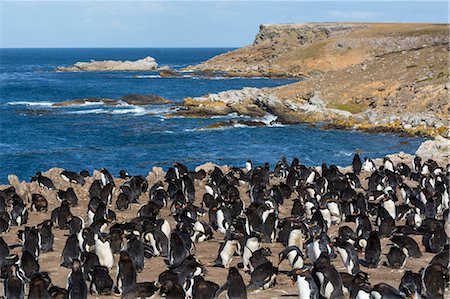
(251, 246)
(313, 250)
(308, 209)
(344, 256)
(334, 212)
(227, 253)
(104, 253)
(220, 222)
(375, 295)
(326, 216)
(295, 264)
(389, 205)
(304, 289)
(328, 290)
(152, 241)
(362, 295)
(165, 228)
(295, 238)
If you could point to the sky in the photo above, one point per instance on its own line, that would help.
(76, 24)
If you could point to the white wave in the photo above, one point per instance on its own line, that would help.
(344, 154)
(134, 110)
(268, 119)
(25, 103)
(146, 76)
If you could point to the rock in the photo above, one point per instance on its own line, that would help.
(86, 101)
(437, 149)
(235, 123)
(144, 64)
(157, 174)
(139, 99)
(170, 74)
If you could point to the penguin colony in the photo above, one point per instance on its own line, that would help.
(325, 220)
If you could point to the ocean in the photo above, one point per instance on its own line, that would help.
(36, 136)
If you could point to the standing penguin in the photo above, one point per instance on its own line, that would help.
(76, 285)
(126, 273)
(306, 286)
(373, 250)
(356, 164)
(348, 255)
(235, 285)
(434, 280)
(13, 285)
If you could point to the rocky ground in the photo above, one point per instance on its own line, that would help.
(374, 77)
(144, 64)
(206, 252)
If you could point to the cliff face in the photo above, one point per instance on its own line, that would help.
(306, 49)
(388, 77)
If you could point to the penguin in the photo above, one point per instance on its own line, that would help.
(103, 251)
(204, 289)
(47, 237)
(396, 258)
(306, 286)
(123, 174)
(38, 287)
(71, 251)
(72, 177)
(101, 282)
(126, 273)
(69, 196)
(136, 252)
(13, 285)
(408, 245)
(107, 193)
(38, 203)
(96, 189)
(141, 290)
(76, 286)
(87, 240)
(85, 173)
(264, 276)
(251, 243)
(410, 284)
(202, 232)
(178, 251)
(434, 280)
(294, 255)
(43, 181)
(31, 240)
(90, 260)
(348, 255)
(383, 290)
(19, 212)
(234, 285)
(327, 278)
(259, 257)
(372, 251)
(171, 289)
(388, 165)
(61, 215)
(58, 293)
(368, 165)
(226, 251)
(28, 266)
(356, 164)
(106, 177)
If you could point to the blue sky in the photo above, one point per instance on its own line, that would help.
(185, 23)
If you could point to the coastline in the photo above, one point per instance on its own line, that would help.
(369, 77)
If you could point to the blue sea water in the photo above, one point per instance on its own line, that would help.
(36, 136)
